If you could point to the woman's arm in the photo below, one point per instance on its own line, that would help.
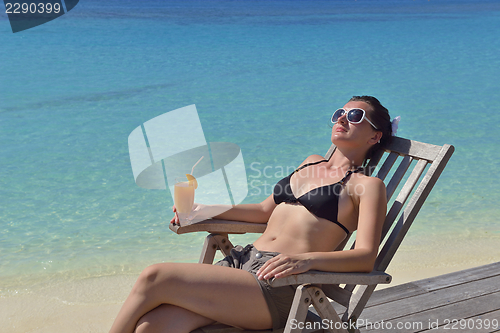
(257, 213)
(372, 211)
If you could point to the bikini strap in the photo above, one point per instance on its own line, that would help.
(308, 164)
(348, 173)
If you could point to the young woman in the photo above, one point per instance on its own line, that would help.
(310, 212)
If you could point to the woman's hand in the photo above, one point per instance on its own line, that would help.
(199, 212)
(284, 265)
(175, 220)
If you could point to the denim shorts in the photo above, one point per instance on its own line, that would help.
(279, 299)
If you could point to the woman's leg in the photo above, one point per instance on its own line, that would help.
(171, 319)
(223, 294)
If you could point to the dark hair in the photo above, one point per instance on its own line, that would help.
(382, 120)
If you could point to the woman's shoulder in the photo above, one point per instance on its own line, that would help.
(313, 158)
(361, 177)
(369, 183)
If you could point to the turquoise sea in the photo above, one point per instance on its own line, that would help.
(265, 75)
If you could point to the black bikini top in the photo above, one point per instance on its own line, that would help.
(321, 201)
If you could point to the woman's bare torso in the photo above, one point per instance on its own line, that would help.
(293, 229)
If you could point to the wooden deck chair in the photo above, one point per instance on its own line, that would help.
(409, 167)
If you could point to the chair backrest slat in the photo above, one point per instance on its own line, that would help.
(387, 166)
(330, 151)
(403, 196)
(342, 244)
(398, 176)
(418, 150)
(374, 161)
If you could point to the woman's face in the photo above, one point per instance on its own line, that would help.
(343, 130)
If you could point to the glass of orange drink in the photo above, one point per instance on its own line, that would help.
(184, 196)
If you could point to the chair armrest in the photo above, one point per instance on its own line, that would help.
(221, 226)
(318, 277)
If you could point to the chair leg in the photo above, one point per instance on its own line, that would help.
(358, 302)
(326, 311)
(298, 311)
(306, 295)
(214, 242)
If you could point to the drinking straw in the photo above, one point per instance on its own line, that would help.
(192, 170)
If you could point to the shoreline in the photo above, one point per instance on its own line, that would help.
(90, 304)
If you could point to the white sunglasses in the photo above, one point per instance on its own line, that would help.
(354, 116)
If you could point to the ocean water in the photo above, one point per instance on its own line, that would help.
(265, 75)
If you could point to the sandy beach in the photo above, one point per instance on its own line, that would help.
(90, 305)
